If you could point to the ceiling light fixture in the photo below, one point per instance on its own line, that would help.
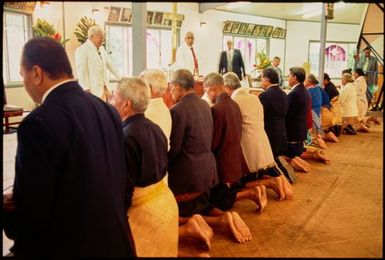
(319, 11)
(234, 5)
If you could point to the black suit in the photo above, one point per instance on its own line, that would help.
(70, 182)
(298, 100)
(237, 63)
(275, 106)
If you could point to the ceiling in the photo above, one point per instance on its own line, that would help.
(343, 12)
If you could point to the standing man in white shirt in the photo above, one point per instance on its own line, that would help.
(92, 63)
(186, 55)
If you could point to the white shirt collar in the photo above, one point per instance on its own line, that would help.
(52, 88)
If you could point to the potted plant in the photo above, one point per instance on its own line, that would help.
(45, 29)
(82, 27)
(263, 62)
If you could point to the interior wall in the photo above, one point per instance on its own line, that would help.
(208, 39)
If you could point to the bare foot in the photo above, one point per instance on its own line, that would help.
(274, 183)
(300, 165)
(256, 196)
(192, 229)
(329, 136)
(239, 229)
(321, 156)
(287, 188)
(264, 196)
(204, 226)
(321, 142)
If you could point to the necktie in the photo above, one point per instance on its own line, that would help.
(195, 59)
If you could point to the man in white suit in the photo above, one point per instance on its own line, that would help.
(92, 63)
(186, 55)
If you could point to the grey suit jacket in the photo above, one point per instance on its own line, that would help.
(372, 70)
(192, 166)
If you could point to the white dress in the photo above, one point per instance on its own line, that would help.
(362, 101)
(254, 141)
(348, 100)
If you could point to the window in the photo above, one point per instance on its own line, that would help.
(338, 56)
(248, 47)
(15, 34)
(119, 47)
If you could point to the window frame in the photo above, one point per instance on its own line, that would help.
(28, 29)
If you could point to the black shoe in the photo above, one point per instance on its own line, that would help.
(286, 168)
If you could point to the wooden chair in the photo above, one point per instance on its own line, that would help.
(10, 111)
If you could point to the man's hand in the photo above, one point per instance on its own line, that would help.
(8, 203)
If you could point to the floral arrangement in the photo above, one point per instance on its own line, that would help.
(45, 29)
(263, 61)
(82, 27)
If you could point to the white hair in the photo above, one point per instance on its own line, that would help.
(155, 79)
(94, 30)
(231, 80)
(135, 90)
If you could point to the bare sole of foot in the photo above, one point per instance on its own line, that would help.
(331, 137)
(274, 183)
(286, 188)
(300, 165)
(321, 156)
(321, 142)
(196, 231)
(264, 195)
(236, 225)
(204, 226)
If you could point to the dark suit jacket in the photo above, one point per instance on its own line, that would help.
(191, 163)
(226, 144)
(70, 182)
(237, 63)
(298, 102)
(275, 106)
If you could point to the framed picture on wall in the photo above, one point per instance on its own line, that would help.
(29, 7)
(257, 30)
(269, 31)
(126, 15)
(167, 19)
(236, 26)
(250, 29)
(150, 15)
(276, 32)
(262, 32)
(243, 28)
(227, 26)
(282, 34)
(158, 18)
(179, 23)
(114, 14)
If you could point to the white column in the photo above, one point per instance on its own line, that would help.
(321, 67)
(139, 46)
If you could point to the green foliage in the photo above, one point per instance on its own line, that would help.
(82, 27)
(45, 29)
(263, 61)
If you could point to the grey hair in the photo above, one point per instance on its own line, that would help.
(136, 90)
(231, 80)
(347, 77)
(155, 79)
(184, 78)
(213, 79)
(94, 30)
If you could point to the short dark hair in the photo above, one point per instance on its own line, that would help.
(184, 78)
(360, 72)
(367, 48)
(326, 76)
(347, 71)
(271, 74)
(49, 55)
(299, 73)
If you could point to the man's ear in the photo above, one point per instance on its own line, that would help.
(38, 74)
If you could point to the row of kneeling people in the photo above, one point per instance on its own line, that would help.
(134, 177)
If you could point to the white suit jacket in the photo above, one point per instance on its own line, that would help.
(92, 68)
(184, 58)
(255, 144)
(348, 100)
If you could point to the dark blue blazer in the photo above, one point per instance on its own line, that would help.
(275, 106)
(237, 63)
(298, 101)
(191, 164)
(70, 186)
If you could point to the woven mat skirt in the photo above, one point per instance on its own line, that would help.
(153, 219)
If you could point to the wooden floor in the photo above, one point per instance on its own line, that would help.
(336, 211)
